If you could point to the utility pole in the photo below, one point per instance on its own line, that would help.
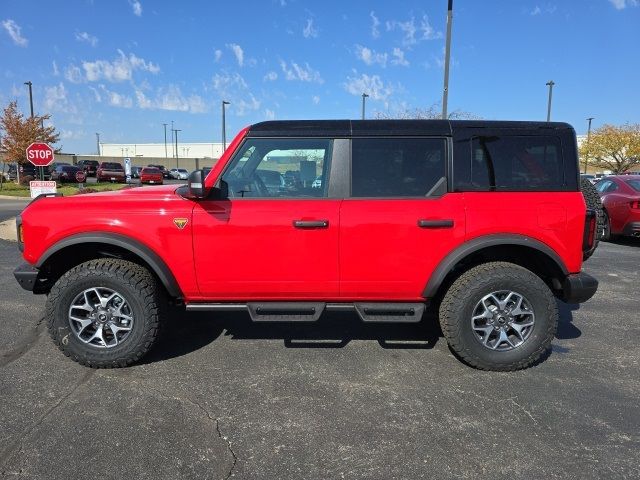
(165, 140)
(586, 157)
(176, 137)
(98, 142)
(550, 84)
(224, 126)
(172, 138)
(29, 84)
(447, 57)
(364, 95)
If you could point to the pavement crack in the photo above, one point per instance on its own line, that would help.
(527, 412)
(228, 442)
(25, 344)
(18, 445)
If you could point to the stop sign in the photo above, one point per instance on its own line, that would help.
(40, 154)
(80, 176)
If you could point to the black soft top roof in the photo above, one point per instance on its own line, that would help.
(348, 128)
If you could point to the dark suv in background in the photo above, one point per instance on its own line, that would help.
(90, 167)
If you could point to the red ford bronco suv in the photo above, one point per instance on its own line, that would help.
(482, 220)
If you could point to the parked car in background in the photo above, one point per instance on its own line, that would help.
(90, 167)
(65, 173)
(9, 172)
(30, 170)
(151, 175)
(110, 172)
(135, 171)
(273, 180)
(620, 195)
(179, 173)
(163, 169)
(588, 176)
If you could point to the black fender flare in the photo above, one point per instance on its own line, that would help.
(479, 243)
(139, 249)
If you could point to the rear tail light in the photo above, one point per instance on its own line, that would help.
(635, 204)
(589, 235)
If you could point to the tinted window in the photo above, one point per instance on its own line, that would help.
(264, 168)
(112, 166)
(606, 186)
(635, 184)
(516, 163)
(151, 170)
(69, 168)
(396, 167)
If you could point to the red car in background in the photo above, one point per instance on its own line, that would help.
(151, 175)
(620, 195)
(110, 172)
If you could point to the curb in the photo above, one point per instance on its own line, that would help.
(11, 197)
(8, 230)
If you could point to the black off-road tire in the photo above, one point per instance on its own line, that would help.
(592, 199)
(142, 293)
(457, 307)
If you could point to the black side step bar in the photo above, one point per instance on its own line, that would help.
(390, 312)
(285, 311)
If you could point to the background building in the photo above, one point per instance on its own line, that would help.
(160, 150)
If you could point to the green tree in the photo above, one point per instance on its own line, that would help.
(613, 148)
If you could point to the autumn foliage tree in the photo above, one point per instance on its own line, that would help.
(19, 132)
(613, 148)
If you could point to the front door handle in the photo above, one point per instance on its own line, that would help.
(435, 223)
(311, 223)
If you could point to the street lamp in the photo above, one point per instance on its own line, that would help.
(550, 84)
(29, 84)
(165, 140)
(447, 57)
(364, 95)
(176, 137)
(588, 138)
(224, 126)
(98, 142)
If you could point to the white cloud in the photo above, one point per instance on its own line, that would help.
(171, 98)
(375, 23)
(73, 74)
(246, 104)
(119, 70)
(56, 72)
(86, 37)
(413, 33)
(14, 31)
(536, 11)
(315, 99)
(137, 7)
(398, 58)
(622, 4)
(217, 55)
(309, 31)
(371, 57)
(237, 51)
(371, 85)
(114, 99)
(96, 94)
(72, 134)
(55, 100)
(269, 114)
(303, 74)
(271, 76)
(233, 88)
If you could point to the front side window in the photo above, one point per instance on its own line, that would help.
(279, 168)
(397, 167)
(516, 163)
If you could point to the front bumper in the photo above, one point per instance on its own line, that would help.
(27, 276)
(579, 287)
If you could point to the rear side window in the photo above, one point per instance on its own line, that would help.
(397, 167)
(635, 184)
(517, 163)
(111, 166)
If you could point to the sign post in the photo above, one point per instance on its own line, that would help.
(41, 155)
(80, 178)
(127, 168)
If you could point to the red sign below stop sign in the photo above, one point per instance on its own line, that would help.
(40, 154)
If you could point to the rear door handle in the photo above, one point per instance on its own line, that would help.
(311, 223)
(435, 223)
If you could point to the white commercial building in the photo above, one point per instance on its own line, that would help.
(157, 150)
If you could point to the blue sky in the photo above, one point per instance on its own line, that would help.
(124, 67)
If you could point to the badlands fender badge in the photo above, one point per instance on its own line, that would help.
(180, 222)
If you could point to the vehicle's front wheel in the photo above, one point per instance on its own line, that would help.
(105, 313)
(499, 316)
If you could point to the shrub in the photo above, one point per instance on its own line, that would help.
(24, 180)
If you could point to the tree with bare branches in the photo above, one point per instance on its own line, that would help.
(433, 112)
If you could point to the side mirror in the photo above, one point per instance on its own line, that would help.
(195, 185)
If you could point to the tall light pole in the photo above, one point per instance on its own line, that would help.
(447, 57)
(29, 84)
(165, 140)
(172, 138)
(364, 95)
(98, 142)
(224, 126)
(176, 136)
(549, 84)
(588, 138)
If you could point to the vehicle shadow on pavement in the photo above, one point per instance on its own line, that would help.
(566, 329)
(186, 332)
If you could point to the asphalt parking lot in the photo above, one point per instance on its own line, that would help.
(221, 397)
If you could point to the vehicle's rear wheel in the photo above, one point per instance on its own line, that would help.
(105, 313)
(499, 316)
(606, 235)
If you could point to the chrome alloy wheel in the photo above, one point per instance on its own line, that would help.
(101, 317)
(502, 320)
